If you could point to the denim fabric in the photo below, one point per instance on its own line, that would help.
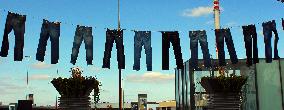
(167, 38)
(268, 28)
(111, 37)
(14, 22)
(202, 37)
(250, 38)
(83, 33)
(142, 38)
(52, 30)
(282, 23)
(222, 34)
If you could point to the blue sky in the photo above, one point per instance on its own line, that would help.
(157, 15)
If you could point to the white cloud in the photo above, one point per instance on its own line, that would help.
(231, 24)
(210, 22)
(150, 77)
(39, 77)
(95, 69)
(198, 11)
(8, 87)
(41, 65)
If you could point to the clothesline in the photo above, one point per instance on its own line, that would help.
(73, 24)
(141, 38)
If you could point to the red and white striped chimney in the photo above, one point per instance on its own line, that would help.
(217, 14)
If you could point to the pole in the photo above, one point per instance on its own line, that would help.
(118, 18)
(120, 92)
(120, 88)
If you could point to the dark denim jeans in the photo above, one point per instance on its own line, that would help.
(142, 38)
(52, 30)
(282, 23)
(250, 38)
(14, 22)
(222, 34)
(202, 37)
(268, 28)
(167, 38)
(83, 33)
(111, 37)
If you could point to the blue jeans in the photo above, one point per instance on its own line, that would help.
(111, 37)
(142, 38)
(167, 38)
(14, 22)
(268, 28)
(83, 33)
(250, 38)
(202, 37)
(222, 34)
(52, 30)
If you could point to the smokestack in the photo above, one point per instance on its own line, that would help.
(216, 14)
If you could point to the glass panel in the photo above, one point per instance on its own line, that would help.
(282, 76)
(268, 78)
(249, 90)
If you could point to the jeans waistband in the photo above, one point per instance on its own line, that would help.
(83, 27)
(268, 23)
(16, 15)
(223, 30)
(142, 31)
(115, 31)
(197, 31)
(46, 22)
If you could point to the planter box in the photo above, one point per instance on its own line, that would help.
(224, 92)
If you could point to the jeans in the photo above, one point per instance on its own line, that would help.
(142, 38)
(172, 37)
(250, 38)
(83, 33)
(14, 22)
(52, 30)
(268, 28)
(282, 23)
(202, 37)
(111, 37)
(222, 34)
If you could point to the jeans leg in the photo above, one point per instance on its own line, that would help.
(165, 51)
(177, 51)
(19, 41)
(78, 38)
(42, 44)
(120, 50)
(148, 50)
(194, 49)
(282, 23)
(205, 50)
(231, 47)
(5, 42)
(268, 49)
(255, 49)
(88, 39)
(220, 47)
(54, 37)
(108, 47)
(276, 56)
(137, 51)
(248, 46)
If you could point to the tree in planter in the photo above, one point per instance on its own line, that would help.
(224, 91)
(75, 89)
